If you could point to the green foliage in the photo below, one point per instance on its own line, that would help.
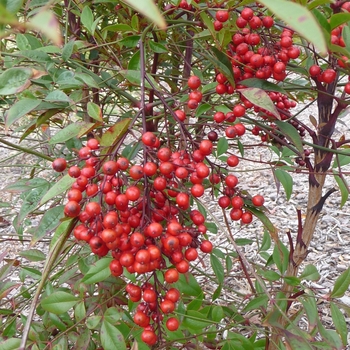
(108, 70)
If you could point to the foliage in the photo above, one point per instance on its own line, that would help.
(95, 90)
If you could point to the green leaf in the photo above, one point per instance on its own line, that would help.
(31, 201)
(338, 19)
(148, 9)
(310, 273)
(217, 268)
(262, 84)
(57, 96)
(94, 111)
(15, 80)
(217, 313)
(266, 242)
(59, 187)
(224, 65)
(188, 285)
(211, 226)
(157, 47)
(344, 189)
(33, 255)
(202, 109)
(12, 6)
(111, 337)
(134, 77)
(72, 130)
(256, 303)
(59, 302)
(87, 79)
(341, 285)
(10, 344)
(134, 62)
(261, 99)
(118, 28)
(346, 37)
(299, 19)
(195, 321)
(19, 110)
(222, 146)
(291, 133)
(339, 323)
(68, 50)
(130, 41)
(61, 230)
(286, 180)
(98, 272)
(281, 257)
(87, 18)
(115, 133)
(310, 307)
(266, 222)
(48, 223)
(270, 275)
(217, 292)
(46, 22)
(196, 302)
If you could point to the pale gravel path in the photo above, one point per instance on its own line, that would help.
(329, 250)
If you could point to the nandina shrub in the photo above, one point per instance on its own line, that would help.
(143, 128)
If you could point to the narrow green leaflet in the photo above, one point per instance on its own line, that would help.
(261, 99)
(344, 189)
(341, 285)
(48, 223)
(203, 108)
(12, 6)
(195, 321)
(33, 255)
(46, 22)
(149, 9)
(87, 18)
(72, 130)
(10, 344)
(217, 268)
(19, 110)
(58, 188)
(115, 133)
(262, 84)
(111, 337)
(286, 180)
(256, 303)
(222, 146)
(291, 133)
(61, 230)
(157, 47)
(224, 64)
(15, 80)
(98, 272)
(188, 285)
(281, 257)
(310, 273)
(57, 96)
(134, 77)
(266, 222)
(31, 201)
(338, 19)
(94, 111)
(339, 323)
(300, 19)
(59, 302)
(68, 50)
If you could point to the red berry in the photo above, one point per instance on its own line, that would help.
(194, 82)
(222, 16)
(59, 165)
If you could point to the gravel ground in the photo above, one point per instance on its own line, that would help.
(329, 250)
